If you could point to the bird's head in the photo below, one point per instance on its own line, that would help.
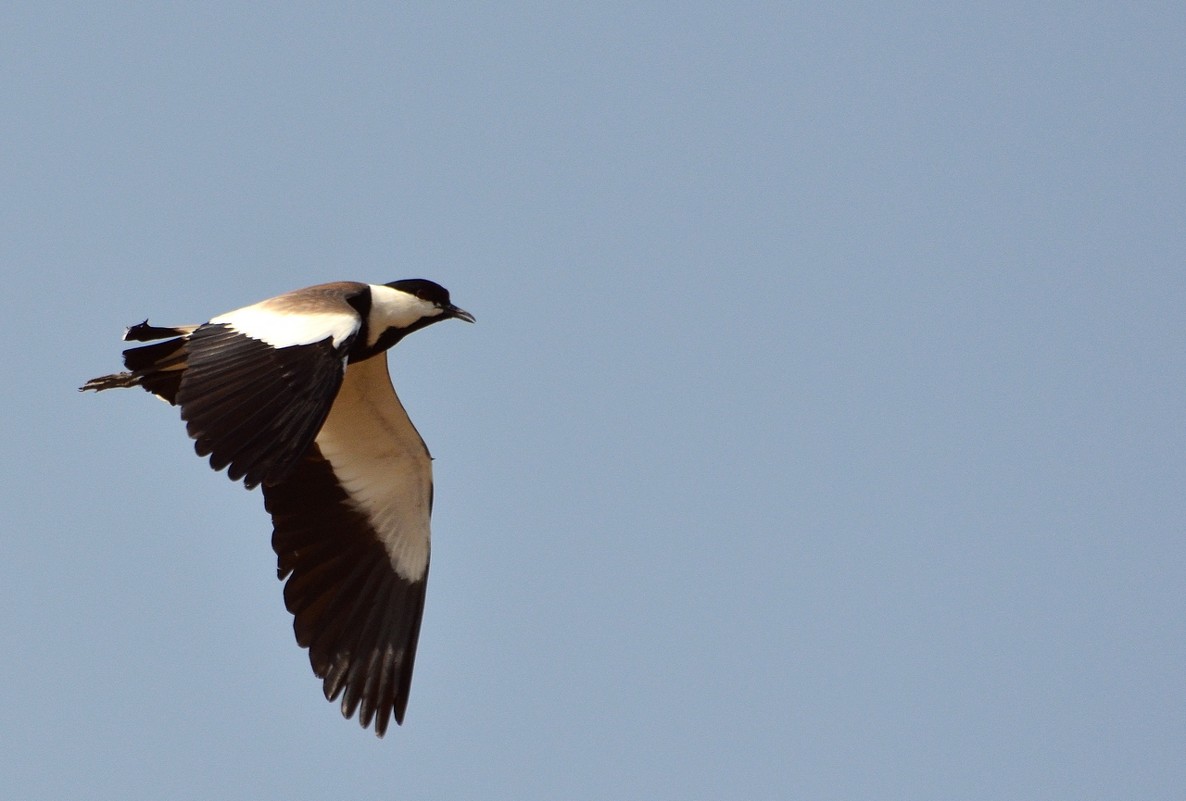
(421, 299)
(401, 307)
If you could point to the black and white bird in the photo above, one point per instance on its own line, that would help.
(292, 394)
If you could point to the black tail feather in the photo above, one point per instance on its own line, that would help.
(157, 368)
(158, 356)
(143, 332)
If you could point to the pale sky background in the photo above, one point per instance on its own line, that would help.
(821, 436)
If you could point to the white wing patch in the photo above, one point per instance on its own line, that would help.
(279, 328)
(382, 464)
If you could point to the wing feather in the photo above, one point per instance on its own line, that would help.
(351, 535)
(254, 408)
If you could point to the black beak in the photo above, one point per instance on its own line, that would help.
(460, 314)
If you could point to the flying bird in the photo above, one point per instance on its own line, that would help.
(292, 394)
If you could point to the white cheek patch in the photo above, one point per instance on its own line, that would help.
(391, 308)
(282, 329)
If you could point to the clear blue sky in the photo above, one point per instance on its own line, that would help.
(821, 436)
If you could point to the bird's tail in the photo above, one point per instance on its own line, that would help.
(157, 368)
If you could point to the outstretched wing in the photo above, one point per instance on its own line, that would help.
(260, 381)
(351, 533)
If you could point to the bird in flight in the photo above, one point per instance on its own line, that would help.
(292, 394)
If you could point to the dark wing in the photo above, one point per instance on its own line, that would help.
(254, 407)
(351, 533)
